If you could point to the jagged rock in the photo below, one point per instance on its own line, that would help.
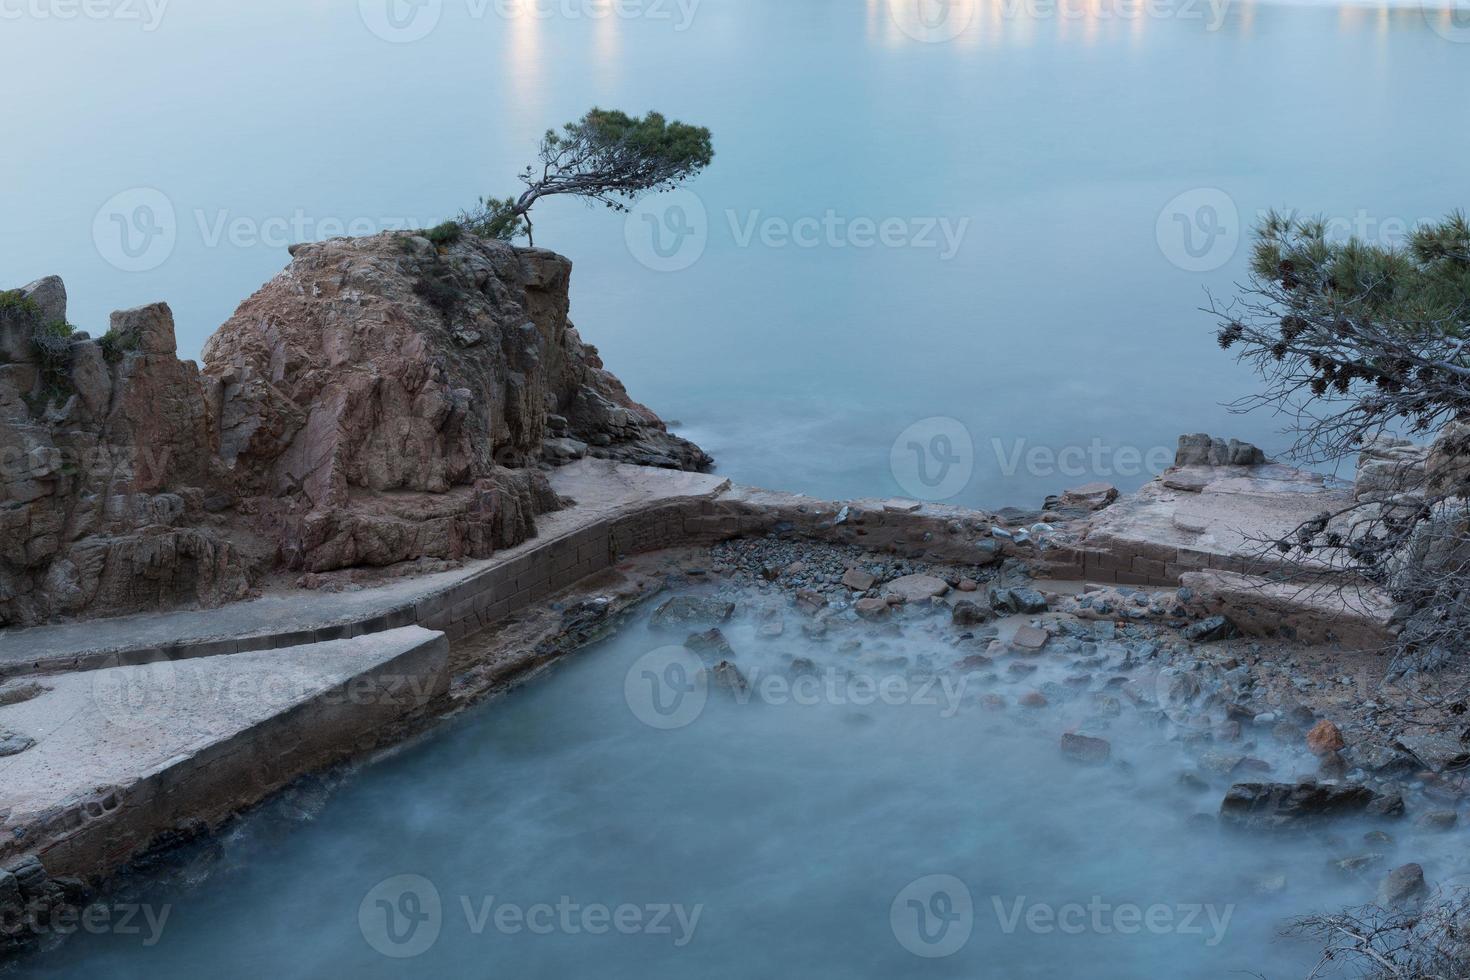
(1325, 738)
(1201, 449)
(1271, 806)
(106, 467)
(1016, 600)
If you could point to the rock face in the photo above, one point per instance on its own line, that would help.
(382, 400)
(110, 488)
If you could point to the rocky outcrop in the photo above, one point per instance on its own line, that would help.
(110, 490)
(385, 399)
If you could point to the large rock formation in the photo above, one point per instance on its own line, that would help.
(110, 490)
(382, 400)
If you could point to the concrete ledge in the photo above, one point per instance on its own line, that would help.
(1355, 616)
(126, 754)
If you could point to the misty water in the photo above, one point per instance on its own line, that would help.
(1086, 180)
(785, 833)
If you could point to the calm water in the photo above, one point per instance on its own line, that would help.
(787, 828)
(1052, 140)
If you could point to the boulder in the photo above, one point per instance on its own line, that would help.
(1210, 630)
(968, 612)
(1017, 600)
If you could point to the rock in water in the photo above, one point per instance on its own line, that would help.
(1084, 748)
(689, 610)
(729, 678)
(710, 644)
(1403, 886)
(1272, 806)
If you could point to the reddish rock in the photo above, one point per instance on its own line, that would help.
(916, 588)
(968, 585)
(1325, 738)
(858, 580)
(1033, 699)
(871, 608)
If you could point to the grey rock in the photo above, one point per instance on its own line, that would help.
(1274, 806)
(1210, 630)
(13, 743)
(686, 610)
(1404, 886)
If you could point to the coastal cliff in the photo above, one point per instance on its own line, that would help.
(382, 400)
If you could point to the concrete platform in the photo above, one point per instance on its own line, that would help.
(124, 754)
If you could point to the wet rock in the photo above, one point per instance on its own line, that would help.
(1221, 763)
(1404, 886)
(810, 601)
(1272, 806)
(687, 610)
(858, 580)
(1086, 749)
(872, 608)
(1325, 738)
(1332, 766)
(711, 644)
(1210, 630)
